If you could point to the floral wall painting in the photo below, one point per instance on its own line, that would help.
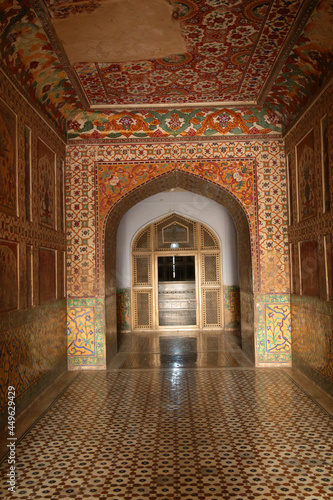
(328, 266)
(8, 276)
(47, 275)
(325, 164)
(46, 172)
(309, 268)
(8, 158)
(306, 176)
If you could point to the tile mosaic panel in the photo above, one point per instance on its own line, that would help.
(231, 307)
(123, 309)
(81, 223)
(85, 330)
(273, 329)
(8, 160)
(9, 291)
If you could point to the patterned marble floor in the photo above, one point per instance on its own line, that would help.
(183, 349)
(173, 433)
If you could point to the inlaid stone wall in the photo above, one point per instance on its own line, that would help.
(32, 250)
(309, 152)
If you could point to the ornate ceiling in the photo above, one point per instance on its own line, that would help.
(240, 54)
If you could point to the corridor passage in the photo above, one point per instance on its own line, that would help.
(178, 416)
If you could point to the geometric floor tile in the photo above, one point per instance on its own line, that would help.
(212, 433)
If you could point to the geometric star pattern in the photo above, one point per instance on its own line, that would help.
(178, 435)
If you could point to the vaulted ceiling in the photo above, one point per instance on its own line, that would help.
(101, 55)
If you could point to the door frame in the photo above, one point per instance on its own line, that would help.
(162, 253)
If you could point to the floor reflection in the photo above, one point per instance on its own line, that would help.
(179, 349)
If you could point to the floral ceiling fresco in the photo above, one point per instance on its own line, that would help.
(247, 55)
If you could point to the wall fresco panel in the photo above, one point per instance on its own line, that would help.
(9, 294)
(8, 160)
(47, 275)
(306, 175)
(309, 267)
(46, 171)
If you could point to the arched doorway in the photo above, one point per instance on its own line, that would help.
(176, 276)
(203, 187)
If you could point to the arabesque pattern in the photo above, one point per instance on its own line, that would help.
(309, 62)
(229, 56)
(178, 435)
(82, 268)
(85, 319)
(274, 329)
(169, 123)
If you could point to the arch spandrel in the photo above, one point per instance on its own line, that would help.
(239, 203)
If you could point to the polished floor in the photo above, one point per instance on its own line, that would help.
(177, 416)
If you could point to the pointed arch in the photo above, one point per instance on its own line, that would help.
(204, 187)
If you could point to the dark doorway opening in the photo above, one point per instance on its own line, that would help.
(176, 290)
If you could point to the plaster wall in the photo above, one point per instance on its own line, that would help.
(189, 205)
